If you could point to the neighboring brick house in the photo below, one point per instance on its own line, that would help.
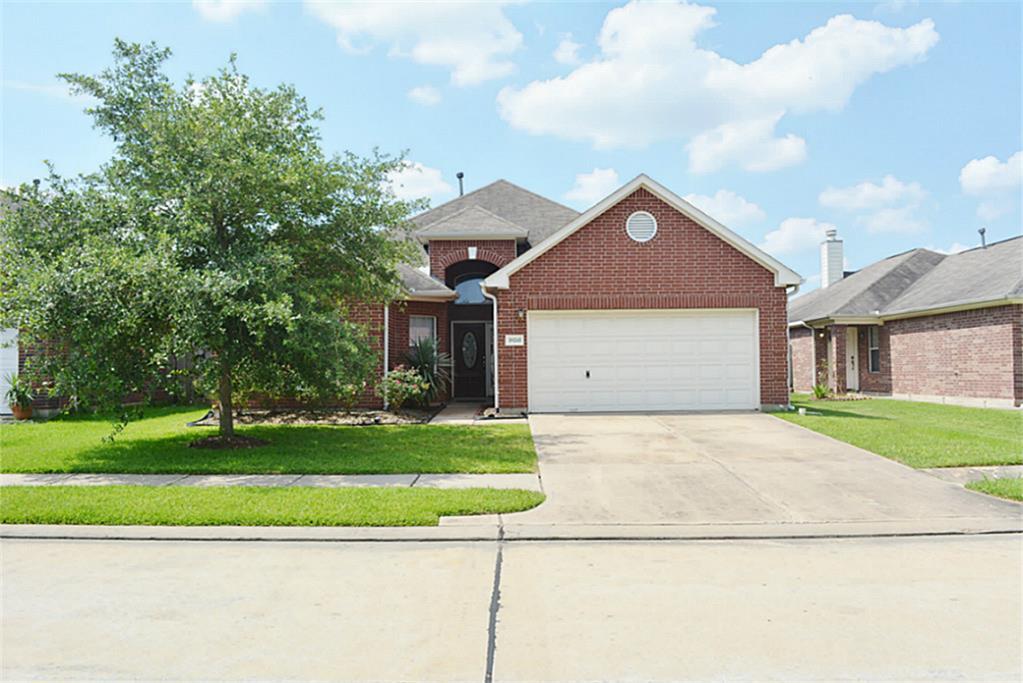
(918, 325)
(643, 302)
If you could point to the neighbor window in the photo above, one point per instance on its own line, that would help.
(421, 327)
(874, 348)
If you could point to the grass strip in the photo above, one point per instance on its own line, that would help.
(252, 506)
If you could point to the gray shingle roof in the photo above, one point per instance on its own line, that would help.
(918, 280)
(418, 283)
(974, 276)
(471, 221)
(539, 216)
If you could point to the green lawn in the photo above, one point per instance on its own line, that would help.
(918, 434)
(159, 444)
(252, 506)
(1003, 488)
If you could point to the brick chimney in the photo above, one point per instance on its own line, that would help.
(832, 262)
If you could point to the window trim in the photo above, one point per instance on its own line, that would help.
(873, 337)
(433, 324)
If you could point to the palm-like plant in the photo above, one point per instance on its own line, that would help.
(433, 365)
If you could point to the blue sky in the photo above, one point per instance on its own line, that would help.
(898, 123)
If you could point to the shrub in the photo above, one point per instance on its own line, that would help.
(402, 385)
(20, 392)
(432, 365)
(820, 387)
(349, 394)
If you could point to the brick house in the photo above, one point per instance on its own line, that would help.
(918, 325)
(642, 302)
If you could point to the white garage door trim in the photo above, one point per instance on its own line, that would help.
(543, 363)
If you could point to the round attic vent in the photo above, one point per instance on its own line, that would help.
(641, 226)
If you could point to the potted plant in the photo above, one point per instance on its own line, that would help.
(19, 396)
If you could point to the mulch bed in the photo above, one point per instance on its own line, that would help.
(355, 418)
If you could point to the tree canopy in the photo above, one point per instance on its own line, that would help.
(219, 231)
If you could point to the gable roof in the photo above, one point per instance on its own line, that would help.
(918, 280)
(783, 276)
(538, 216)
(471, 221)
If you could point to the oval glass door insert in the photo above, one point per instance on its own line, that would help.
(470, 349)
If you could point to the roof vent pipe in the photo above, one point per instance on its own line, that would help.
(832, 261)
(983, 242)
(461, 190)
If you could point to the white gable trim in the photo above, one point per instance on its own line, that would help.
(783, 276)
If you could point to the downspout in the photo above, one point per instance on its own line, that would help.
(387, 345)
(497, 353)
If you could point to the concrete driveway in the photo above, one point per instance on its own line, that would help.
(734, 471)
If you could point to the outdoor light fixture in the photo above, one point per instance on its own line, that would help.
(521, 313)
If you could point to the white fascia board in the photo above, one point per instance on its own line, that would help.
(783, 275)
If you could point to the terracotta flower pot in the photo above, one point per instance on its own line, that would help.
(21, 413)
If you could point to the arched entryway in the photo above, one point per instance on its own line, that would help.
(471, 316)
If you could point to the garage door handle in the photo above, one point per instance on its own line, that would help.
(587, 374)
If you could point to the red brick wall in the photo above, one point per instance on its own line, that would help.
(684, 266)
(970, 354)
(879, 382)
(443, 253)
(42, 400)
(801, 341)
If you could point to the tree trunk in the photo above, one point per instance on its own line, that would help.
(226, 407)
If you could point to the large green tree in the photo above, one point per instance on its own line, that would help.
(219, 230)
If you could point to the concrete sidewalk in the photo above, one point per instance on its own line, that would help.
(440, 481)
(965, 475)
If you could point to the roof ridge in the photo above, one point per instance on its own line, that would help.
(468, 207)
(988, 246)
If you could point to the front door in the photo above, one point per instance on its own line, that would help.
(470, 351)
(852, 355)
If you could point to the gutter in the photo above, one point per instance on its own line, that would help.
(387, 345)
(497, 352)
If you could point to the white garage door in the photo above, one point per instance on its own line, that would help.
(8, 363)
(642, 360)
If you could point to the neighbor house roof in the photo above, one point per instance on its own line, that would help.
(471, 221)
(783, 276)
(917, 281)
(538, 216)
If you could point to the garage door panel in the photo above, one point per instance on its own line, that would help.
(664, 360)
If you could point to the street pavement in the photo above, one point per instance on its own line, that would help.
(883, 609)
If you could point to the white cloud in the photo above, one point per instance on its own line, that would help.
(416, 181)
(995, 182)
(868, 195)
(886, 208)
(61, 91)
(473, 40)
(225, 10)
(567, 51)
(652, 82)
(749, 144)
(728, 208)
(591, 187)
(899, 221)
(954, 248)
(795, 235)
(426, 95)
(989, 176)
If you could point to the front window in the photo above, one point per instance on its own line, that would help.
(470, 291)
(421, 327)
(874, 347)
